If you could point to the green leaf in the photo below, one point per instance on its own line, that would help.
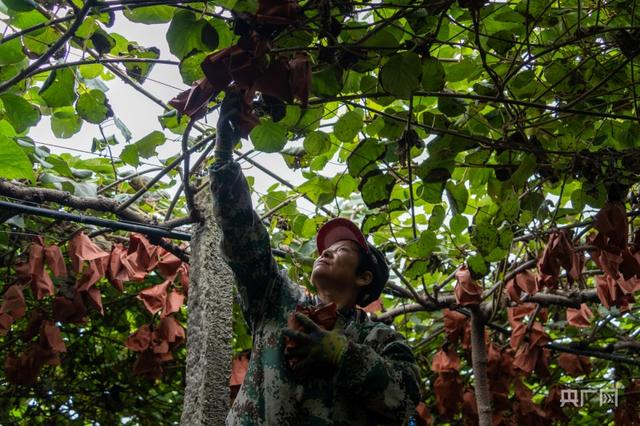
(317, 143)
(65, 123)
(416, 269)
(505, 238)
(524, 84)
(170, 121)
(93, 107)
(124, 130)
(129, 155)
(373, 222)
(225, 35)
(431, 192)
(348, 126)
(121, 46)
(451, 107)
(400, 76)
(381, 38)
(98, 165)
(466, 69)
(186, 32)
(139, 71)
(209, 36)
(20, 5)
(319, 189)
(304, 226)
(496, 254)
(524, 171)
(90, 71)
(310, 119)
(423, 246)
(26, 20)
(38, 42)
(150, 14)
(58, 89)
(318, 163)
(7, 129)
(376, 188)
(509, 15)
(249, 6)
(14, 163)
(11, 52)
(291, 117)
(437, 217)
(556, 74)
(484, 237)
(458, 224)
(510, 207)
(433, 76)
(20, 113)
(87, 28)
(268, 137)
(60, 165)
(345, 185)
(501, 41)
(102, 41)
(578, 199)
(365, 156)
(84, 189)
(147, 145)
(368, 83)
(294, 39)
(458, 196)
(479, 268)
(295, 157)
(327, 82)
(190, 69)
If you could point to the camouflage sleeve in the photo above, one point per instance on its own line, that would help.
(382, 372)
(245, 241)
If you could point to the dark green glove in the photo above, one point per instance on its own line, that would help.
(227, 133)
(317, 348)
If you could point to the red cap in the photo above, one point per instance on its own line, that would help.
(339, 229)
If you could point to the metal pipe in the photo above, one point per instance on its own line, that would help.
(153, 232)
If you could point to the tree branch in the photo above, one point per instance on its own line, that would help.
(279, 179)
(593, 353)
(448, 302)
(126, 178)
(479, 362)
(188, 191)
(499, 100)
(573, 300)
(36, 28)
(195, 167)
(41, 195)
(102, 61)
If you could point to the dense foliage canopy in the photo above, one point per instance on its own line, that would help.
(490, 148)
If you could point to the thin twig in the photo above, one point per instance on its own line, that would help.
(126, 178)
(164, 171)
(102, 61)
(279, 206)
(188, 192)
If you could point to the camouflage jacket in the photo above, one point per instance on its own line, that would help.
(376, 382)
